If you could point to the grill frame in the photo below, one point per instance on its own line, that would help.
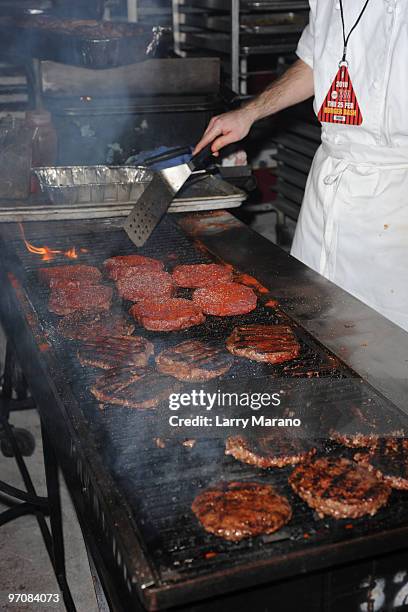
(94, 493)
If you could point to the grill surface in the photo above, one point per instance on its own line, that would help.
(159, 484)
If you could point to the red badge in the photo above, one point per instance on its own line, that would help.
(340, 105)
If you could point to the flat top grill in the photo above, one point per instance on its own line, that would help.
(157, 485)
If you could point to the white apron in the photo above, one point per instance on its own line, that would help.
(353, 226)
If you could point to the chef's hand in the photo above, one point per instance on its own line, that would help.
(226, 129)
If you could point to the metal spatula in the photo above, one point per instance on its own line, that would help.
(159, 194)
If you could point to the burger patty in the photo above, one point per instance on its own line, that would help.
(194, 361)
(356, 440)
(144, 285)
(133, 387)
(359, 427)
(74, 272)
(117, 267)
(167, 315)
(266, 343)
(113, 352)
(339, 487)
(226, 299)
(237, 510)
(88, 325)
(269, 450)
(71, 299)
(388, 460)
(201, 275)
(62, 283)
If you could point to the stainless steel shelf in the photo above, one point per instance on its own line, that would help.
(276, 24)
(238, 30)
(217, 41)
(252, 5)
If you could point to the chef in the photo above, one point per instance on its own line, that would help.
(353, 224)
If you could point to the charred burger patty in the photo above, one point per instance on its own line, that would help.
(194, 361)
(133, 387)
(237, 510)
(265, 343)
(86, 325)
(113, 352)
(269, 450)
(339, 487)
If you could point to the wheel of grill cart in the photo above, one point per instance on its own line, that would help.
(25, 442)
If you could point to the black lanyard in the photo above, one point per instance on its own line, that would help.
(346, 38)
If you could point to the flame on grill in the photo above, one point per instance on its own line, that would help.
(46, 253)
(71, 253)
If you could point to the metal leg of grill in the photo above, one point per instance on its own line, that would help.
(14, 382)
(54, 501)
(23, 502)
(38, 506)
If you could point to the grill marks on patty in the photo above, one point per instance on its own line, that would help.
(339, 487)
(238, 510)
(167, 315)
(134, 387)
(388, 460)
(87, 325)
(201, 275)
(266, 343)
(113, 352)
(194, 361)
(139, 285)
(269, 450)
(122, 265)
(225, 300)
(57, 275)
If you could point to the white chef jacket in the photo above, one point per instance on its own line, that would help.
(353, 225)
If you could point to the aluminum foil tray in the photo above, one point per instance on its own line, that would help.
(92, 184)
(90, 192)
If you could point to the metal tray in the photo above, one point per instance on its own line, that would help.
(276, 23)
(92, 51)
(250, 44)
(68, 197)
(256, 5)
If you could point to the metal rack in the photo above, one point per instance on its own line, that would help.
(248, 35)
(296, 148)
(155, 12)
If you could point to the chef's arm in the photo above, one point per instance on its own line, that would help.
(292, 87)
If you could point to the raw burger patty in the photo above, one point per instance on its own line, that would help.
(119, 266)
(194, 361)
(145, 284)
(133, 387)
(201, 275)
(87, 325)
(266, 343)
(339, 487)
(65, 301)
(226, 299)
(269, 450)
(75, 272)
(62, 283)
(237, 510)
(167, 315)
(121, 351)
(388, 460)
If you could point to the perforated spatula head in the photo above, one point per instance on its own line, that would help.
(157, 197)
